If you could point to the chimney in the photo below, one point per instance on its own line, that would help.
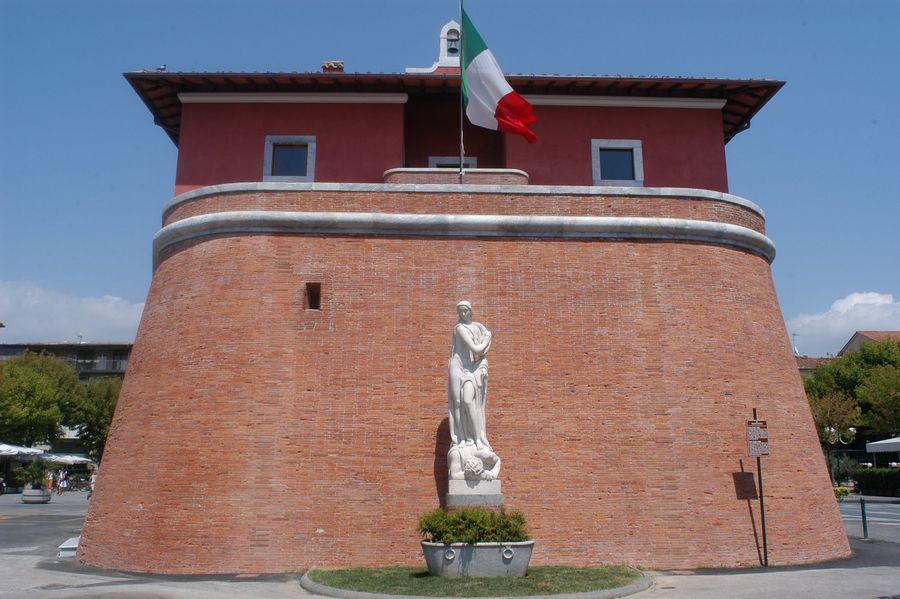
(333, 66)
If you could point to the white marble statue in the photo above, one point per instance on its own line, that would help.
(467, 383)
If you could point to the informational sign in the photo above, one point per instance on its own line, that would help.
(757, 438)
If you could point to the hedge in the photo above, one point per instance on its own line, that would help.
(878, 481)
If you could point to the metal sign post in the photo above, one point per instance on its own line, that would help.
(757, 446)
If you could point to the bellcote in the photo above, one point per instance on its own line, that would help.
(448, 51)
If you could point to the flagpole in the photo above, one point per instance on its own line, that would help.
(462, 150)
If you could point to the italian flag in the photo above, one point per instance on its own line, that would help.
(489, 99)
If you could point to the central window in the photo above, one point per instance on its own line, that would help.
(617, 162)
(290, 158)
(289, 161)
(452, 162)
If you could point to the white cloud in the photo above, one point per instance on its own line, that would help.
(33, 313)
(827, 332)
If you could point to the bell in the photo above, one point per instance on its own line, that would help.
(453, 42)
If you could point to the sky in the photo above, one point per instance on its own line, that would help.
(84, 172)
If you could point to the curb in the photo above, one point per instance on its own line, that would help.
(642, 584)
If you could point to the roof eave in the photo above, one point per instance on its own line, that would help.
(744, 97)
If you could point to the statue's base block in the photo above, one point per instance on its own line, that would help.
(474, 492)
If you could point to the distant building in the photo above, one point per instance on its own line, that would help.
(860, 337)
(807, 364)
(90, 360)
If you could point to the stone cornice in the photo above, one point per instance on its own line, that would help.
(290, 98)
(453, 225)
(625, 101)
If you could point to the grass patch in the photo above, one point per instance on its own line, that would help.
(547, 580)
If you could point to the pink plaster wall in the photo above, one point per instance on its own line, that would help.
(681, 147)
(224, 143)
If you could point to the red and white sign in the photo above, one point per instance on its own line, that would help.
(757, 438)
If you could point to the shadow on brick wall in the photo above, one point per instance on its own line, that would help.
(745, 490)
(441, 447)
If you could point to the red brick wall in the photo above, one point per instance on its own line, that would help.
(254, 436)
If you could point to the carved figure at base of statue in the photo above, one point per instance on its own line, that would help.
(467, 462)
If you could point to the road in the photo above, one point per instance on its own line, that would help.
(883, 519)
(39, 529)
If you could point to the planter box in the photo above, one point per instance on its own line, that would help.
(478, 559)
(36, 496)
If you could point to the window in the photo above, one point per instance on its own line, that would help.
(313, 296)
(85, 359)
(617, 162)
(452, 162)
(290, 158)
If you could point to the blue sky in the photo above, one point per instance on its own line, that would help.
(84, 173)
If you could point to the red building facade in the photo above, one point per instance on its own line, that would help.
(288, 380)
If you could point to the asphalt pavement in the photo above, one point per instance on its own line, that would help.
(31, 534)
(882, 517)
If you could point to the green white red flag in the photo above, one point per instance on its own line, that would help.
(490, 101)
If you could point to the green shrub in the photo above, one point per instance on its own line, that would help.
(843, 467)
(14, 478)
(35, 474)
(878, 481)
(841, 492)
(473, 525)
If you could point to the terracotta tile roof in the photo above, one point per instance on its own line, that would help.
(809, 363)
(881, 335)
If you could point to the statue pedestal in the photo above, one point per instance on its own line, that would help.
(466, 493)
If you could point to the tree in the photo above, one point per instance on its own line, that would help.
(40, 392)
(94, 413)
(867, 378)
(29, 410)
(64, 379)
(833, 411)
(880, 395)
(37, 393)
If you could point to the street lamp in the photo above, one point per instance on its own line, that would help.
(835, 436)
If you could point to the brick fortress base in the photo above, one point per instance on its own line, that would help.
(255, 434)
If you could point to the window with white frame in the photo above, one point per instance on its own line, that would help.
(452, 162)
(290, 158)
(617, 162)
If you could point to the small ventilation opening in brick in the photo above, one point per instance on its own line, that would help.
(313, 296)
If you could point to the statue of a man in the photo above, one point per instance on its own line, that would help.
(467, 384)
